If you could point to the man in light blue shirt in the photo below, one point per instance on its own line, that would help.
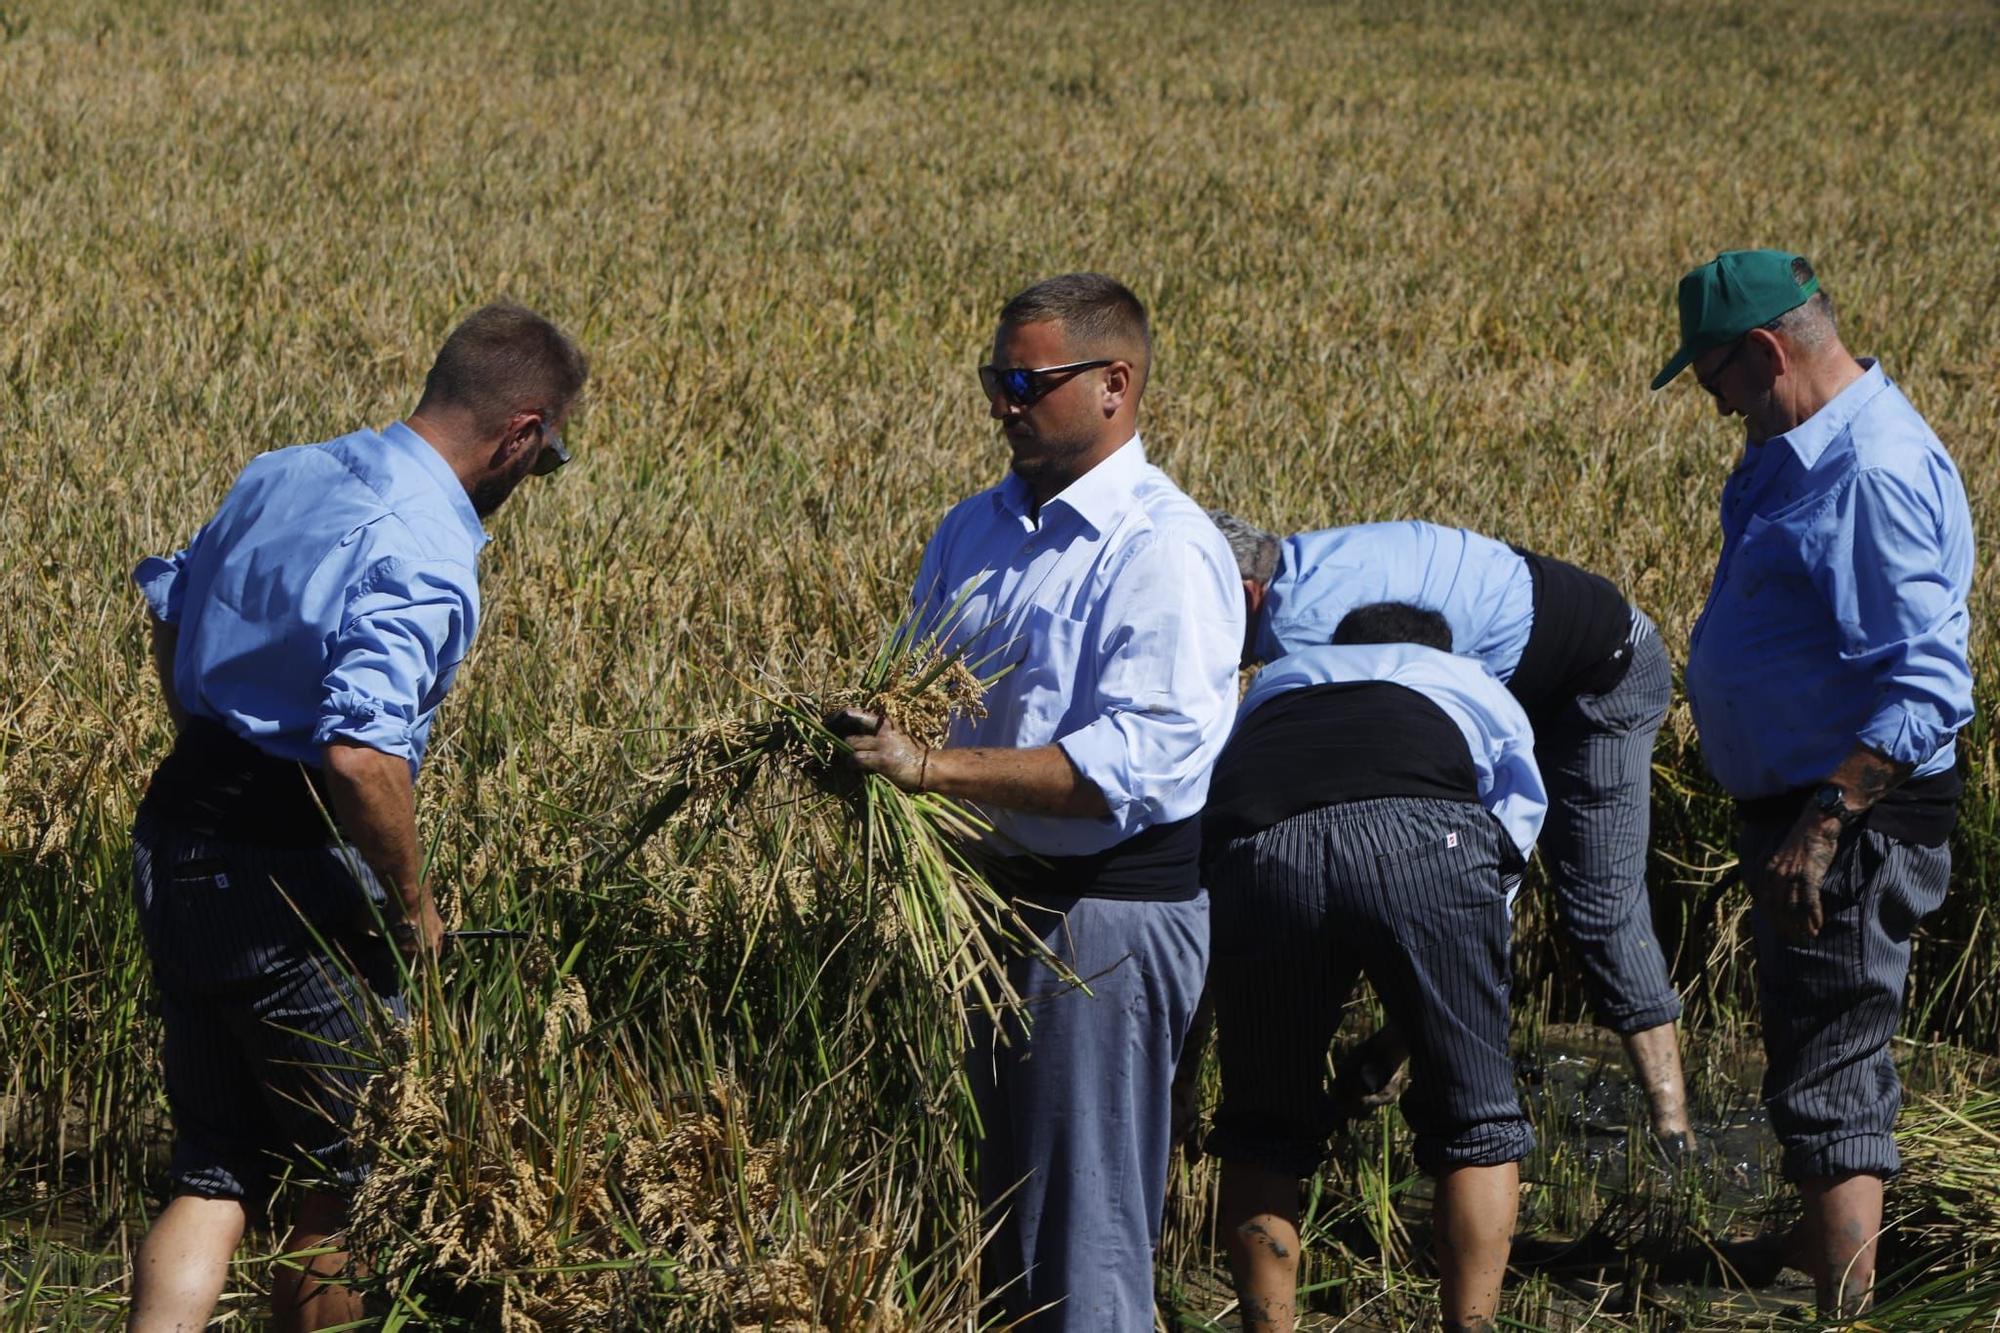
(1828, 677)
(1591, 672)
(1111, 603)
(304, 640)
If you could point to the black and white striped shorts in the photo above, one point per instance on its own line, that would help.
(1407, 891)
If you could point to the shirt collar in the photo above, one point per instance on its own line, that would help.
(1809, 439)
(1100, 497)
(414, 446)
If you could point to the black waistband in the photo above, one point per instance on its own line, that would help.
(1923, 810)
(1580, 642)
(1157, 864)
(1331, 744)
(221, 786)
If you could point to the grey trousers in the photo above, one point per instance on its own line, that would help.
(1409, 891)
(1075, 1114)
(1596, 757)
(1829, 1005)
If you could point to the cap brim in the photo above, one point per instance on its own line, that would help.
(1679, 362)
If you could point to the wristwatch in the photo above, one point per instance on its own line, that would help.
(1830, 801)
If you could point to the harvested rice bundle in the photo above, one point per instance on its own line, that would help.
(907, 847)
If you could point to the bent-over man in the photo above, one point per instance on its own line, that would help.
(1589, 669)
(1114, 600)
(1362, 820)
(1829, 679)
(304, 640)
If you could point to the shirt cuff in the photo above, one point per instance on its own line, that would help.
(1101, 754)
(160, 582)
(1901, 734)
(354, 717)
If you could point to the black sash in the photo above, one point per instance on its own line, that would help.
(1579, 641)
(220, 786)
(1157, 864)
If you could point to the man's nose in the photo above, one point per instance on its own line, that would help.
(999, 408)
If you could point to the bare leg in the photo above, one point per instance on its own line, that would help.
(305, 1293)
(1843, 1222)
(1655, 1054)
(183, 1263)
(1259, 1216)
(1475, 1212)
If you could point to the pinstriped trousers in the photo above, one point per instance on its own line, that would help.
(1075, 1112)
(267, 1033)
(1830, 1004)
(1596, 757)
(1408, 891)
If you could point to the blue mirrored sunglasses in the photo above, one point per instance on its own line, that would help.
(1024, 387)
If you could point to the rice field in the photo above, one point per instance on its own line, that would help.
(1409, 259)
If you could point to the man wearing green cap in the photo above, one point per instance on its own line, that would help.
(1828, 678)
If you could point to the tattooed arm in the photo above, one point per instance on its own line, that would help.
(1789, 887)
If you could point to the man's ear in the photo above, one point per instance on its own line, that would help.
(1253, 597)
(1117, 386)
(522, 431)
(1773, 357)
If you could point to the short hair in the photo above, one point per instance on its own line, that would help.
(505, 358)
(1256, 550)
(1812, 323)
(1096, 313)
(1394, 622)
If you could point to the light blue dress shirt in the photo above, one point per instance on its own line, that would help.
(332, 595)
(1117, 617)
(1838, 611)
(1495, 728)
(1485, 591)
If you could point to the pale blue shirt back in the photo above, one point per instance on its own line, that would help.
(1838, 611)
(1116, 614)
(333, 594)
(1495, 728)
(1482, 588)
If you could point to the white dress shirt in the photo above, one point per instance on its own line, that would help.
(1116, 616)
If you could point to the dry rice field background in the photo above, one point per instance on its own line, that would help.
(1409, 259)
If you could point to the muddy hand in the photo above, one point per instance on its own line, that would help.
(1793, 876)
(879, 746)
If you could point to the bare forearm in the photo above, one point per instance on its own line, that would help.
(165, 638)
(1040, 781)
(377, 806)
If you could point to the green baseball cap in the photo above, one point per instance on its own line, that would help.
(1731, 295)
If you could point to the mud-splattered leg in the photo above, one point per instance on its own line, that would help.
(1843, 1221)
(1260, 1224)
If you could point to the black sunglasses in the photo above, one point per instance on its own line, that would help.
(1024, 387)
(553, 454)
(1708, 381)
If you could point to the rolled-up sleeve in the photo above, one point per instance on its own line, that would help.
(1899, 616)
(162, 581)
(408, 624)
(1167, 636)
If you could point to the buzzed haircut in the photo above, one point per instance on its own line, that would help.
(504, 358)
(1256, 550)
(1394, 622)
(1097, 313)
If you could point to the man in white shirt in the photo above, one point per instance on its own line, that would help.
(1114, 607)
